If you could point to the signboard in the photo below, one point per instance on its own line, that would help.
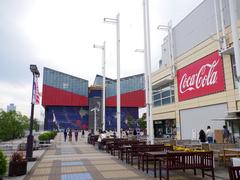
(204, 76)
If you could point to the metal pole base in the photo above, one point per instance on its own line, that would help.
(29, 148)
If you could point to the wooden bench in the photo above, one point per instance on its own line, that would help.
(136, 149)
(127, 145)
(234, 172)
(187, 160)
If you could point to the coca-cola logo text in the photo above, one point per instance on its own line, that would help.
(206, 76)
(202, 77)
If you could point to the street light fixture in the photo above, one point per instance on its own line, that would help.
(168, 28)
(29, 149)
(117, 22)
(103, 48)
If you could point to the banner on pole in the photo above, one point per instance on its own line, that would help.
(36, 94)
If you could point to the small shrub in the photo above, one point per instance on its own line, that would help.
(46, 136)
(3, 164)
(43, 137)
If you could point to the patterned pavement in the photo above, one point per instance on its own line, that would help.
(81, 161)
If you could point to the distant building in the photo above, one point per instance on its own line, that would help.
(11, 107)
(68, 100)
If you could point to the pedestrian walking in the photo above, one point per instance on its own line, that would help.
(202, 136)
(83, 133)
(209, 134)
(65, 135)
(226, 134)
(70, 135)
(76, 135)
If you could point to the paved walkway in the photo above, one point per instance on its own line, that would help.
(81, 161)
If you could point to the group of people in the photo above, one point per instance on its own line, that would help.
(69, 133)
(208, 136)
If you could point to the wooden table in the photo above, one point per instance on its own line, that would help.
(236, 152)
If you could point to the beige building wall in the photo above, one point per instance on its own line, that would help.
(229, 96)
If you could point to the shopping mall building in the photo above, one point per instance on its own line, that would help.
(196, 84)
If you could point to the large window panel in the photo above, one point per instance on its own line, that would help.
(163, 95)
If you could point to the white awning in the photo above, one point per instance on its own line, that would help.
(226, 119)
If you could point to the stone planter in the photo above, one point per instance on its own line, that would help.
(17, 168)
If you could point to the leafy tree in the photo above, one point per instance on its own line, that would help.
(36, 124)
(14, 125)
(142, 121)
(130, 121)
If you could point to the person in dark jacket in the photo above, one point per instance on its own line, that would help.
(65, 134)
(76, 135)
(202, 136)
(83, 133)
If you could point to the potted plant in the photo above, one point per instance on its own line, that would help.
(3, 165)
(17, 164)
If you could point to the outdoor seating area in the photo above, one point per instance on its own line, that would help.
(161, 159)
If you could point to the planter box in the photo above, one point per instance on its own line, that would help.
(17, 168)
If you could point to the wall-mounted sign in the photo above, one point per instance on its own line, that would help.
(204, 76)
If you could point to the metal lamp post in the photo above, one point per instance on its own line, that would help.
(147, 55)
(29, 150)
(117, 22)
(103, 48)
(95, 119)
(146, 91)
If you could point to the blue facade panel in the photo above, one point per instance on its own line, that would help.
(111, 119)
(66, 117)
(95, 93)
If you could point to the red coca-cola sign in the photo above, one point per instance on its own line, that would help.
(203, 77)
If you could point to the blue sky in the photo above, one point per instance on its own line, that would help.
(60, 34)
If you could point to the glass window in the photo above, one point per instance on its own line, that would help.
(163, 95)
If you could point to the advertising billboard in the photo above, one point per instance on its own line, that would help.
(204, 76)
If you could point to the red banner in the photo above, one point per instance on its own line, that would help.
(204, 76)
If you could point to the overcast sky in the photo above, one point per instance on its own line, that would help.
(60, 34)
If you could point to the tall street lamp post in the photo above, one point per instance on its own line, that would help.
(29, 151)
(117, 22)
(146, 90)
(103, 48)
(147, 55)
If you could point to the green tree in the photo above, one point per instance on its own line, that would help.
(14, 125)
(142, 121)
(36, 124)
(130, 121)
